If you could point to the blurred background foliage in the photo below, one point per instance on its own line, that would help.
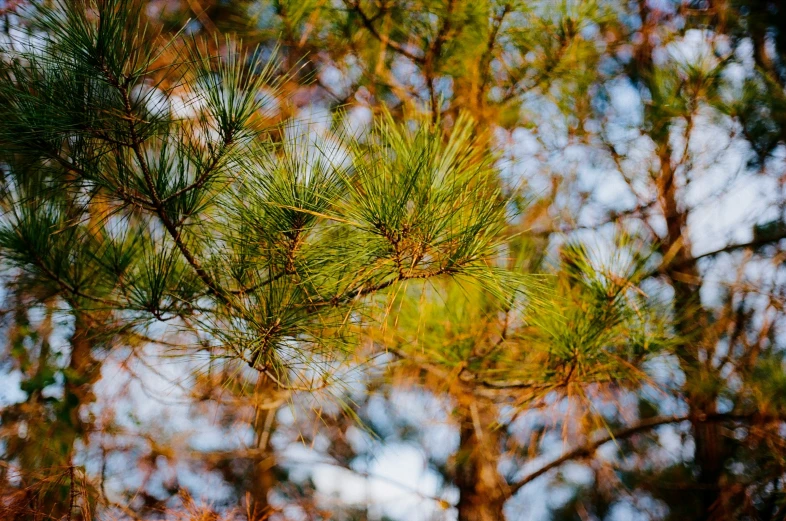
(393, 259)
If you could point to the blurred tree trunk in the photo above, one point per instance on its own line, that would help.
(481, 488)
(681, 270)
(263, 475)
(82, 372)
(690, 320)
(44, 448)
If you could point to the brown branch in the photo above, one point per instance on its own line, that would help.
(517, 384)
(590, 448)
(755, 243)
(72, 493)
(485, 61)
(434, 51)
(201, 14)
(369, 24)
(691, 261)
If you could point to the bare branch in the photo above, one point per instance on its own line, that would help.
(368, 23)
(644, 425)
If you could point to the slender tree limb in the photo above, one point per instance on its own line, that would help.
(368, 23)
(755, 243)
(433, 54)
(644, 425)
(485, 61)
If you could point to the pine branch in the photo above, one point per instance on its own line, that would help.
(367, 290)
(122, 192)
(68, 287)
(351, 295)
(204, 176)
(158, 204)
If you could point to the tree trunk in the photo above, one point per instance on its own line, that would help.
(481, 488)
(80, 376)
(263, 475)
(82, 372)
(45, 453)
(691, 317)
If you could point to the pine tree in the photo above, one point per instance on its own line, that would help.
(142, 185)
(645, 338)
